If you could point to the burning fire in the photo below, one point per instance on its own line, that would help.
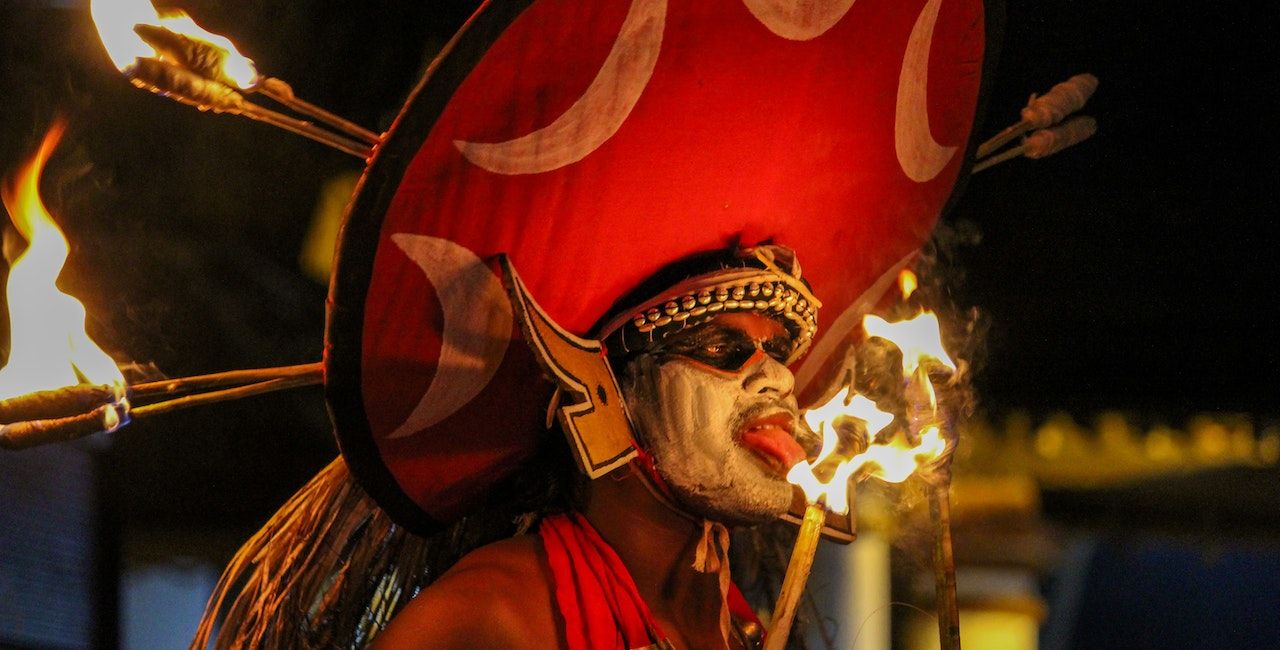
(48, 345)
(907, 283)
(116, 19)
(822, 420)
(920, 340)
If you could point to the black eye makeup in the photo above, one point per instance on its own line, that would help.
(722, 348)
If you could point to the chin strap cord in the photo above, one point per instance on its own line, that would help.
(712, 556)
(712, 553)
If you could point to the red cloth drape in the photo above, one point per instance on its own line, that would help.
(594, 592)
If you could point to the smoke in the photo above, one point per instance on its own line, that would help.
(964, 327)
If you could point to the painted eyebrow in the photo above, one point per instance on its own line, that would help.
(711, 333)
(708, 333)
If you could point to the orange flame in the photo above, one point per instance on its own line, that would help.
(893, 461)
(897, 460)
(48, 345)
(822, 421)
(907, 283)
(115, 20)
(919, 338)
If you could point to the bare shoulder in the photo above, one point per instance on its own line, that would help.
(497, 596)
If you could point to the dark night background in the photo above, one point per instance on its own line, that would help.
(1134, 272)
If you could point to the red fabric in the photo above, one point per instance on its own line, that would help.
(741, 610)
(594, 592)
(740, 135)
(595, 595)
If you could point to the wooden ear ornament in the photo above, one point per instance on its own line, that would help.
(588, 402)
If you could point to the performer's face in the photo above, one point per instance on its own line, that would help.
(714, 406)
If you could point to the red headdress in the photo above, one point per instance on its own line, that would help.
(593, 144)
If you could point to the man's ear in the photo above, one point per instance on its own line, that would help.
(588, 402)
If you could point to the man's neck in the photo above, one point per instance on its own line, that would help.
(658, 546)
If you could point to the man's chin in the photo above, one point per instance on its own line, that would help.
(768, 498)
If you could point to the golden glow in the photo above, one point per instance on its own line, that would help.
(919, 338)
(115, 20)
(897, 460)
(48, 344)
(894, 460)
(883, 461)
(907, 283)
(1269, 447)
(1012, 625)
(822, 419)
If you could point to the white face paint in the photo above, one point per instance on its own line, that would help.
(691, 418)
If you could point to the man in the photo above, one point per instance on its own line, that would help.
(634, 559)
(714, 408)
(556, 155)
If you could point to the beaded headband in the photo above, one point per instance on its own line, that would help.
(761, 286)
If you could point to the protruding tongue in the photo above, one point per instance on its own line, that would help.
(776, 443)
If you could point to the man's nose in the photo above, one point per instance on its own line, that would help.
(764, 374)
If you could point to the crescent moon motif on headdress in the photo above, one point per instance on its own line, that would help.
(921, 157)
(798, 20)
(597, 115)
(476, 332)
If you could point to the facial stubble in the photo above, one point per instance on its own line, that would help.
(689, 418)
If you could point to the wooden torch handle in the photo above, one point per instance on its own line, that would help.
(797, 575)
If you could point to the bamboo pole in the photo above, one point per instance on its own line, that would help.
(183, 85)
(999, 158)
(282, 92)
(1047, 142)
(1000, 139)
(797, 575)
(306, 130)
(944, 563)
(181, 385)
(213, 397)
(1045, 110)
(64, 414)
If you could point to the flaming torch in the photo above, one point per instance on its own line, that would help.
(53, 365)
(58, 384)
(173, 56)
(891, 455)
(1043, 119)
(923, 357)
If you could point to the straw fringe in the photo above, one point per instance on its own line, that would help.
(328, 570)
